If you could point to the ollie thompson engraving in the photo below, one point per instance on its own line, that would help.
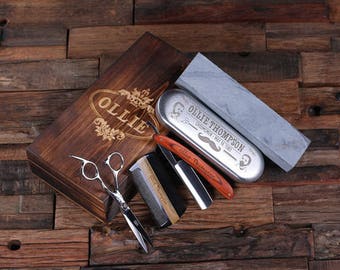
(214, 127)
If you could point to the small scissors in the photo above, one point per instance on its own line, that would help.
(129, 216)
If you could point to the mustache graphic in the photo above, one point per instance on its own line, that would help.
(210, 142)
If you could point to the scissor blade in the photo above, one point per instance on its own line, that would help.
(137, 229)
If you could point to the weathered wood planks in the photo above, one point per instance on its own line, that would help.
(334, 10)
(43, 248)
(247, 209)
(321, 68)
(301, 36)
(67, 13)
(27, 212)
(16, 178)
(322, 139)
(34, 35)
(46, 23)
(274, 241)
(94, 41)
(26, 114)
(46, 75)
(257, 264)
(320, 101)
(335, 43)
(327, 241)
(32, 53)
(274, 176)
(307, 204)
(324, 265)
(13, 151)
(258, 66)
(68, 215)
(153, 11)
(277, 93)
(31, 204)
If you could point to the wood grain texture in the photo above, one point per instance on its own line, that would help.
(106, 60)
(334, 10)
(202, 245)
(322, 139)
(326, 238)
(321, 68)
(47, 75)
(24, 116)
(274, 176)
(152, 11)
(49, 268)
(274, 94)
(59, 248)
(320, 101)
(335, 43)
(16, 178)
(324, 265)
(66, 13)
(247, 209)
(263, 264)
(301, 36)
(69, 215)
(320, 158)
(94, 41)
(13, 151)
(307, 204)
(34, 35)
(27, 212)
(258, 66)
(32, 53)
(316, 122)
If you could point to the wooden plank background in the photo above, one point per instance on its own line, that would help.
(286, 52)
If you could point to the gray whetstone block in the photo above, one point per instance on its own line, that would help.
(272, 134)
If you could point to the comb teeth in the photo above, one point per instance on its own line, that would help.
(157, 189)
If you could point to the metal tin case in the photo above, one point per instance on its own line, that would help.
(210, 135)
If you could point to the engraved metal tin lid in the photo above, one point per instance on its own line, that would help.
(210, 135)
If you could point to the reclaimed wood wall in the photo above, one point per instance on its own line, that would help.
(286, 52)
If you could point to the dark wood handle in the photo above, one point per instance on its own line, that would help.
(211, 175)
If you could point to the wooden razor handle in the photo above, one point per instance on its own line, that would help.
(211, 175)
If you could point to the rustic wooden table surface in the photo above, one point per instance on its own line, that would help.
(286, 52)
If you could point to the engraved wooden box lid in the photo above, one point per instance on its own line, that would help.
(110, 116)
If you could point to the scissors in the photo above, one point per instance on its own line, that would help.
(129, 216)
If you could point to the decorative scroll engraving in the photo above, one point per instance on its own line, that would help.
(108, 133)
(139, 99)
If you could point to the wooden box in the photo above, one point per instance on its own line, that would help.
(110, 116)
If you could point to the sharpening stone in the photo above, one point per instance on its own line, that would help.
(271, 133)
